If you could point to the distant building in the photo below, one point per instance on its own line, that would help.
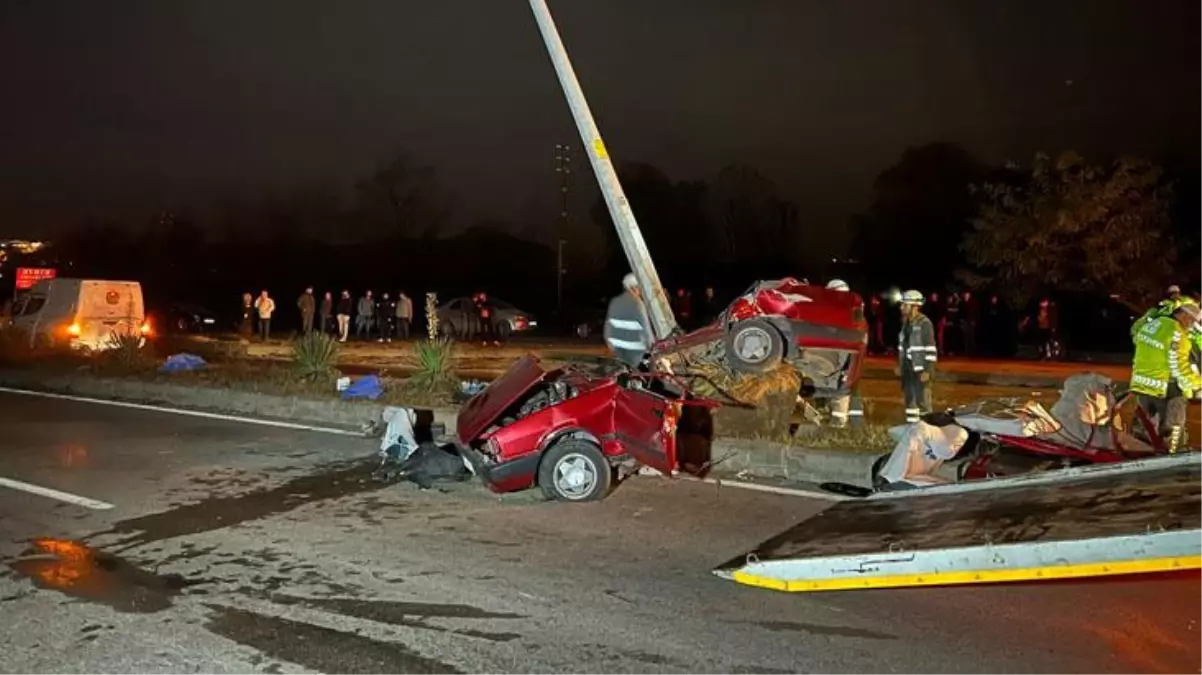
(22, 246)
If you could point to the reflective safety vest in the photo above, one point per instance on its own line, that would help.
(1165, 308)
(627, 329)
(1162, 355)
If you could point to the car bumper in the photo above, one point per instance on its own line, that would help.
(515, 474)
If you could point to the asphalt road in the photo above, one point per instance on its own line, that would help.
(240, 548)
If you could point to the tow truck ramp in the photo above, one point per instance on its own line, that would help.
(1134, 517)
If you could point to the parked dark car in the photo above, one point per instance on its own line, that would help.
(459, 318)
(183, 317)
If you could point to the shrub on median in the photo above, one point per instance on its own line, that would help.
(314, 357)
(127, 353)
(435, 372)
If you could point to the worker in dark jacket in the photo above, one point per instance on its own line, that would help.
(916, 356)
(627, 327)
(307, 304)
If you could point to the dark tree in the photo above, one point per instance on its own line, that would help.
(1074, 226)
(921, 208)
(406, 194)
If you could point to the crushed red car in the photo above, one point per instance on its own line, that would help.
(822, 332)
(568, 429)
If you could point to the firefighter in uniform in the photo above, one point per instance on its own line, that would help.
(846, 408)
(627, 327)
(916, 356)
(1162, 375)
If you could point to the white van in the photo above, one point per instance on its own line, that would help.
(84, 311)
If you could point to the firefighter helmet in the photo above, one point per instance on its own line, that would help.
(837, 285)
(911, 297)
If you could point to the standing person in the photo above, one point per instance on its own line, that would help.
(327, 311)
(246, 325)
(1166, 307)
(627, 327)
(266, 307)
(876, 325)
(345, 307)
(684, 308)
(366, 313)
(307, 304)
(1161, 374)
(917, 354)
(971, 322)
(841, 406)
(935, 310)
(488, 319)
(1046, 320)
(404, 315)
(997, 329)
(1173, 294)
(951, 337)
(386, 315)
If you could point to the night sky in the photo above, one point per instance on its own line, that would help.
(119, 108)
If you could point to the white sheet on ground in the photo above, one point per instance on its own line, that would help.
(399, 431)
(921, 451)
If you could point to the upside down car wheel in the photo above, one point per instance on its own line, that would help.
(754, 346)
(574, 471)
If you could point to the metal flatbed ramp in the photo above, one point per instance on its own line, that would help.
(1124, 520)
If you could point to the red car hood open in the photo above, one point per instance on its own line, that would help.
(479, 413)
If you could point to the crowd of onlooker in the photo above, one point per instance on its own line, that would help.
(381, 318)
(966, 323)
(966, 326)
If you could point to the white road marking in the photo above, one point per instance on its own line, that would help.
(756, 487)
(55, 494)
(181, 411)
(773, 489)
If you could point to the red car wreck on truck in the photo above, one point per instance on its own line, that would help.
(568, 429)
(821, 332)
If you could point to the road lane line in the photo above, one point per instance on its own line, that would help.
(181, 411)
(755, 487)
(773, 489)
(55, 494)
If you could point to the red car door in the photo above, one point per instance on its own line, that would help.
(644, 425)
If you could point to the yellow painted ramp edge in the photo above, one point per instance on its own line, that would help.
(1175, 563)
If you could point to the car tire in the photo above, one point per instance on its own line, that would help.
(504, 329)
(754, 346)
(582, 331)
(574, 470)
(449, 330)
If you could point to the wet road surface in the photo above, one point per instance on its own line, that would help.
(240, 548)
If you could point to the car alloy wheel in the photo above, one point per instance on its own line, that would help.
(753, 344)
(575, 476)
(574, 470)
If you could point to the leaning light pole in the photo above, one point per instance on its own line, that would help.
(660, 312)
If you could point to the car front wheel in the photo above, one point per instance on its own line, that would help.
(574, 470)
(754, 346)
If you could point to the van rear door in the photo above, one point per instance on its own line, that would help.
(110, 307)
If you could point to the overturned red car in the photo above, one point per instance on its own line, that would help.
(821, 332)
(568, 429)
